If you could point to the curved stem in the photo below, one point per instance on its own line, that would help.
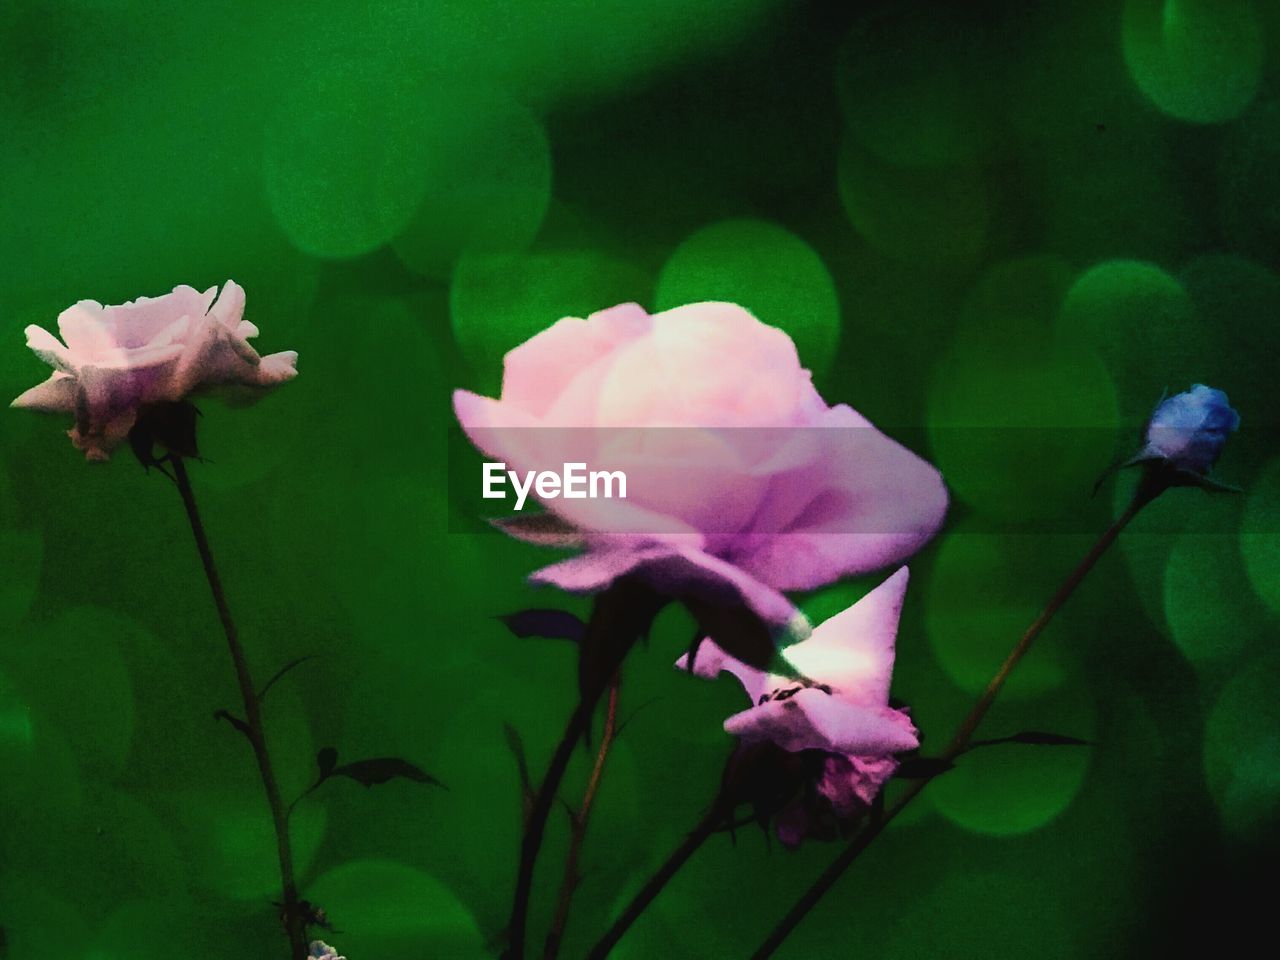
(653, 887)
(581, 818)
(964, 733)
(293, 919)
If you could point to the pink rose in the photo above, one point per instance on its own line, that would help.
(742, 481)
(117, 359)
(841, 710)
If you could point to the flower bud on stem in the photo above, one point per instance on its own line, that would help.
(1154, 481)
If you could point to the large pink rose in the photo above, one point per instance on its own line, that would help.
(742, 481)
(114, 360)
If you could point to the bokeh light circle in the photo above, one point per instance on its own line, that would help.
(1143, 324)
(910, 86)
(982, 593)
(497, 301)
(1197, 60)
(1241, 740)
(94, 709)
(1203, 584)
(1260, 534)
(1011, 392)
(938, 214)
(388, 909)
(1016, 788)
(768, 270)
(487, 169)
(346, 159)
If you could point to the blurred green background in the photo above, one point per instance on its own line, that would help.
(996, 215)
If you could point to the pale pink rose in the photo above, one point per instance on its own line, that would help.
(841, 709)
(742, 481)
(113, 360)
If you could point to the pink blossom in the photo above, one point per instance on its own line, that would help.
(743, 482)
(113, 360)
(840, 709)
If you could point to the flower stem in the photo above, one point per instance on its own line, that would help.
(293, 919)
(1147, 492)
(610, 636)
(581, 818)
(649, 892)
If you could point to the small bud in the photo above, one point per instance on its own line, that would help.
(322, 951)
(1189, 429)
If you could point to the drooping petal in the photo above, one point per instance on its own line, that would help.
(101, 437)
(866, 503)
(853, 651)
(677, 567)
(811, 719)
(711, 661)
(852, 783)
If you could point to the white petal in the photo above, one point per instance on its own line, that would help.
(49, 349)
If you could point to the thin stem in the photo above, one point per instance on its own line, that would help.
(705, 828)
(609, 635)
(581, 818)
(963, 735)
(293, 919)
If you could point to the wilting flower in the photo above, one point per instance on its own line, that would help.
(322, 951)
(1189, 429)
(836, 720)
(742, 481)
(114, 360)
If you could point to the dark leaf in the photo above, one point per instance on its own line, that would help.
(1035, 738)
(736, 629)
(282, 671)
(172, 426)
(235, 721)
(544, 529)
(383, 769)
(549, 624)
(327, 760)
(922, 768)
(622, 615)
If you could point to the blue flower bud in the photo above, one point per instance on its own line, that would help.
(1189, 429)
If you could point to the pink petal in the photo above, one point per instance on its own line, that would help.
(853, 651)
(50, 349)
(675, 567)
(56, 395)
(711, 661)
(706, 365)
(866, 503)
(137, 322)
(508, 434)
(540, 369)
(229, 308)
(813, 720)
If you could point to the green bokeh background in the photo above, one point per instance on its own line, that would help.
(1030, 218)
